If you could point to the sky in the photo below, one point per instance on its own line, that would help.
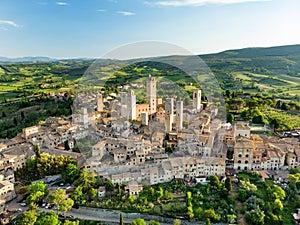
(92, 28)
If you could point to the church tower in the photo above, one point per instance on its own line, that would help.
(151, 93)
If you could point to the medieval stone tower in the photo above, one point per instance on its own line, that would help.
(151, 93)
(179, 115)
(169, 111)
(131, 105)
(197, 100)
(99, 102)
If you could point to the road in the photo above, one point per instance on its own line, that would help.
(114, 216)
(111, 216)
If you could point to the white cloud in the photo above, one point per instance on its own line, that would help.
(200, 2)
(8, 22)
(126, 13)
(62, 3)
(101, 10)
(5, 23)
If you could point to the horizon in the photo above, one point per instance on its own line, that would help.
(90, 29)
(95, 58)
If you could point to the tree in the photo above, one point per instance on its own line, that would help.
(109, 186)
(278, 205)
(58, 198)
(37, 192)
(66, 144)
(77, 196)
(207, 222)
(211, 214)
(248, 186)
(22, 115)
(86, 180)
(177, 222)
(37, 151)
(242, 193)
(121, 219)
(214, 181)
(71, 173)
(230, 118)
(66, 205)
(168, 195)
(27, 218)
(49, 218)
(68, 222)
(190, 212)
(256, 217)
(279, 193)
(228, 184)
(153, 222)
(131, 199)
(138, 221)
(15, 121)
(92, 193)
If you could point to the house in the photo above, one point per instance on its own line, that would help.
(242, 129)
(18, 155)
(133, 188)
(243, 153)
(7, 191)
(101, 192)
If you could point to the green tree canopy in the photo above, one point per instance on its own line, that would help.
(37, 192)
(153, 222)
(27, 218)
(49, 218)
(71, 173)
(255, 217)
(138, 221)
(68, 222)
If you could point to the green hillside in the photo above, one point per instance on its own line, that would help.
(273, 73)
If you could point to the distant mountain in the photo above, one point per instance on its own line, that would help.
(288, 50)
(26, 59)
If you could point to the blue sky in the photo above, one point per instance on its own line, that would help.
(90, 28)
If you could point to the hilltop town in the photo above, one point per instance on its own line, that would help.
(150, 143)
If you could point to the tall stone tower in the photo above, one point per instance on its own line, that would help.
(131, 105)
(197, 100)
(151, 93)
(179, 115)
(99, 102)
(84, 117)
(169, 111)
(123, 108)
(144, 118)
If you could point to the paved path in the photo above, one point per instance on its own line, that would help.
(114, 216)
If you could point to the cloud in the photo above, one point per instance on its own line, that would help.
(62, 3)
(101, 10)
(177, 3)
(5, 23)
(126, 13)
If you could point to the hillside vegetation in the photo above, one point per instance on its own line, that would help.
(273, 73)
